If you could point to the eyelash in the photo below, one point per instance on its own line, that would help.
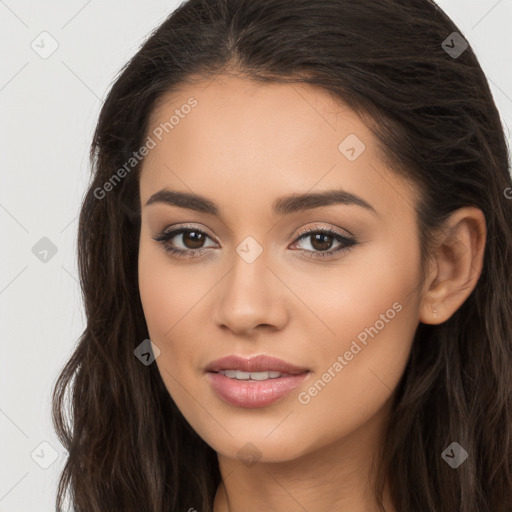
(166, 236)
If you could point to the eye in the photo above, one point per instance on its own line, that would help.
(192, 241)
(322, 240)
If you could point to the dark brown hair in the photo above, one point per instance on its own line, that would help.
(433, 115)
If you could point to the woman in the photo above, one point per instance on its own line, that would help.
(295, 255)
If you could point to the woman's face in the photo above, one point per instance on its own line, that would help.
(341, 306)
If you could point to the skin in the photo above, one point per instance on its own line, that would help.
(243, 146)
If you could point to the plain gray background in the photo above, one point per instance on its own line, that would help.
(48, 108)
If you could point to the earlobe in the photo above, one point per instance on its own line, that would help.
(457, 267)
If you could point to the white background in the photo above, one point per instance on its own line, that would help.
(48, 109)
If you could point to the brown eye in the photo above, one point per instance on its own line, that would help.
(193, 239)
(321, 241)
(184, 242)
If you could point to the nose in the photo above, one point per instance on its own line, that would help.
(251, 296)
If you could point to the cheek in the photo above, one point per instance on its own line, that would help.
(167, 291)
(166, 302)
(372, 289)
(173, 299)
(157, 290)
(170, 302)
(374, 315)
(355, 381)
(357, 373)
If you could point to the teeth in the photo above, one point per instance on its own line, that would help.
(240, 375)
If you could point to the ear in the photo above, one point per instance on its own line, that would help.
(458, 262)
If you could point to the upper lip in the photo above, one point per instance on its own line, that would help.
(259, 363)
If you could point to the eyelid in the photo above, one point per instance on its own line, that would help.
(191, 227)
(300, 233)
(326, 227)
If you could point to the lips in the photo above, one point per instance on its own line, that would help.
(259, 363)
(254, 382)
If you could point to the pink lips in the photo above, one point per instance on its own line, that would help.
(251, 393)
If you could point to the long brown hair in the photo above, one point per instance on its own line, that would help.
(436, 124)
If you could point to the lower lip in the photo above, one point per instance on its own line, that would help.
(252, 394)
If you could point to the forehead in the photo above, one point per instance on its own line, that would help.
(264, 139)
(241, 111)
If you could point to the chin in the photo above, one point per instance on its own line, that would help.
(263, 443)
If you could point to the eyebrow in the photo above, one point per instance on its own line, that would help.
(282, 206)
